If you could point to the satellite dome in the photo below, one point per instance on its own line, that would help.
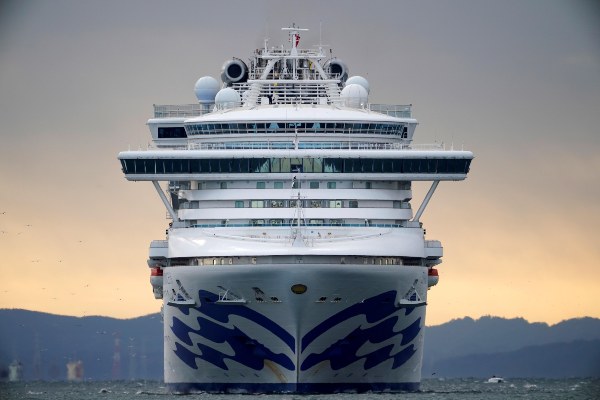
(227, 98)
(358, 80)
(206, 88)
(354, 95)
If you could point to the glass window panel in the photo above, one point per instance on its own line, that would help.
(276, 165)
(276, 203)
(239, 204)
(295, 165)
(260, 185)
(333, 165)
(314, 185)
(278, 185)
(318, 165)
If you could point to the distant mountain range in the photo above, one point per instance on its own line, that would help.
(512, 348)
(133, 348)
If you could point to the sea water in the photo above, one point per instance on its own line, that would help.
(439, 389)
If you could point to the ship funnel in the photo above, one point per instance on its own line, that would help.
(234, 71)
(337, 69)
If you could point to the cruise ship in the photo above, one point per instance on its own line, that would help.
(293, 260)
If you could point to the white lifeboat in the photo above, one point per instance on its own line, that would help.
(432, 277)
(156, 280)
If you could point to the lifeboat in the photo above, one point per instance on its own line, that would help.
(432, 277)
(156, 280)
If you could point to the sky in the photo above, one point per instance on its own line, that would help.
(516, 82)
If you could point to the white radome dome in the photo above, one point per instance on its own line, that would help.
(358, 80)
(227, 98)
(354, 95)
(206, 89)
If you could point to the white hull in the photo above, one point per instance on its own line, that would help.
(363, 336)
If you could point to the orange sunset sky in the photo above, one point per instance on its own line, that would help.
(516, 82)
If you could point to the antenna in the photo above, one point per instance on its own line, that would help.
(266, 40)
(320, 37)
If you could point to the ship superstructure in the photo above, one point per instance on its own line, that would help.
(294, 261)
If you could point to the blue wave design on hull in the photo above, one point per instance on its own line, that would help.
(250, 352)
(343, 352)
(374, 309)
(247, 351)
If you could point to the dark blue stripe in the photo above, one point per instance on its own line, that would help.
(358, 387)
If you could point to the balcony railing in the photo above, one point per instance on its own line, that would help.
(195, 110)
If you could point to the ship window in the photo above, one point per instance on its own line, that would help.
(260, 165)
(297, 165)
(336, 222)
(223, 185)
(335, 204)
(239, 204)
(317, 222)
(368, 185)
(257, 203)
(278, 185)
(276, 203)
(315, 204)
(332, 165)
(353, 203)
(330, 185)
(314, 185)
(260, 185)
(258, 222)
(171, 132)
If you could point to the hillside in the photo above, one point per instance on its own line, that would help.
(44, 343)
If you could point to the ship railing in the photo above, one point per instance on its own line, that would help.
(180, 110)
(292, 225)
(311, 146)
(282, 52)
(393, 110)
(315, 94)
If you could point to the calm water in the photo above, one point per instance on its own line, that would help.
(430, 389)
